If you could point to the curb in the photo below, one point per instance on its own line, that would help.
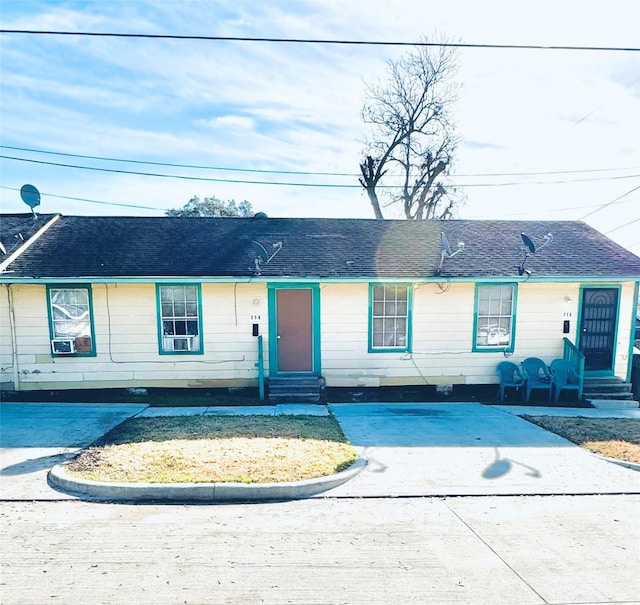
(199, 492)
(634, 466)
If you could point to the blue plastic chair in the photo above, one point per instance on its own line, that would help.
(537, 376)
(510, 376)
(564, 378)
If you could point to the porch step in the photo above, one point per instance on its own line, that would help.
(307, 389)
(614, 404)
(613, 384)
(608, 392)
(606, 388)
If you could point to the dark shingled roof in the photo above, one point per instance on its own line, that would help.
(90, 246)
(16, 229)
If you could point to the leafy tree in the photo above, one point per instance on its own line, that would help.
(412, 138)
(211, 206)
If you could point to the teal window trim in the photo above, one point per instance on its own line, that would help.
(200, 349)
(611, 371)
(87, 287)
(407, 347)
(514, 305)
(273, 323)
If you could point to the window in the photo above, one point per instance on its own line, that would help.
(495, 317)
(71, 320)
(389, 318)
(180, 319)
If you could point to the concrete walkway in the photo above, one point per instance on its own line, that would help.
(446, 449)
(413, 449)
(531, 410)
(36, 436)
(281, 409)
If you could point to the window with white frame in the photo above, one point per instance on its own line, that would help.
(70, 320)
(389, 320)
(180, 321)
(495, 317)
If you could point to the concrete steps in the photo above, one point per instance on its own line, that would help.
(614, 404)
(294, 389)
(610, 392)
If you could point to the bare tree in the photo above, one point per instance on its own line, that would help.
(412, 140)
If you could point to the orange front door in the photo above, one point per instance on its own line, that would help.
(294, 329)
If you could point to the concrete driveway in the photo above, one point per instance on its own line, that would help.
(449, 449)
(36, 436)
(444, 449)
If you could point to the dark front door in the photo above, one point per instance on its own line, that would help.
(599, 316)
(294, 329)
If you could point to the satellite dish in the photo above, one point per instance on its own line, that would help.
(30, 196)
(262, 256)
(446, 252)
(547, 240)
(445, 244)
(260, 250)
(528, 243)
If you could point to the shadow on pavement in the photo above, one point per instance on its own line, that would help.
(36, 464)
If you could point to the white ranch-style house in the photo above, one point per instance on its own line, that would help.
(99, 302)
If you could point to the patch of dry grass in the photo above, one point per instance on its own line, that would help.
(612, 437)
(200, 449)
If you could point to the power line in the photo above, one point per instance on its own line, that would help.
(566, 209)
(603, 206)
(194, 166)
(178, 176)
(319, 41)
(83, 199)
(300, 172)
(292, 184)
(622, 226)
(92, 201)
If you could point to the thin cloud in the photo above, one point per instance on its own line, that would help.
(297, 107)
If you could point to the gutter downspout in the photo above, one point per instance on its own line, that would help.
(260, 365)
(14, 343)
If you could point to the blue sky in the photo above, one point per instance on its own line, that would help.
(284, 107)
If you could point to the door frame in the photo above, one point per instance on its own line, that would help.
(583, 287)
(272, 288)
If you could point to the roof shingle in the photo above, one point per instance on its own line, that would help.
(89, 246)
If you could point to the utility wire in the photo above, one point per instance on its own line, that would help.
(83, 199)
(622, 226)
(178, 176)
(195, 166)
(318, 41)
(303, 172)
(603, 206)
(291, 184)
(584, 207)
(91, 201)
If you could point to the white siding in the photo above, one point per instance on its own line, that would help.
(126, 337)
(6, 355)
(442, 349)
(627, 320)
(126, 331)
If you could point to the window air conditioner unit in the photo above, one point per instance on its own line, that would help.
(63, 346)
(182, 343)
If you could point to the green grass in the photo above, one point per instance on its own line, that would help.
(611, 437)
